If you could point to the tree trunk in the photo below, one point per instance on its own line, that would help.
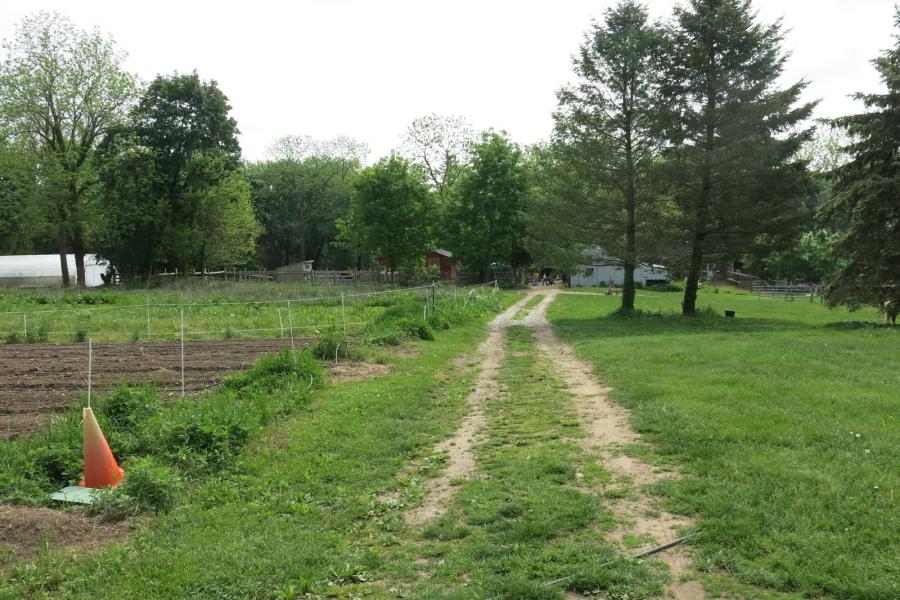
(689, 305)
(628, 292)
(63, 251)
(701, 211)
(630, 259)
(78, 251)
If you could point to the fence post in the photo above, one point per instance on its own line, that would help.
(291, 325)
(148, 317)
(25, 324)
(182, 351)
(90, 368)
(343, 313)
(280, 323)
(433, 295)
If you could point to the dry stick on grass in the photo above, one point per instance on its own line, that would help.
(645, 554)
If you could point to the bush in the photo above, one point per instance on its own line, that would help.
(149, 487)
(331, 346)
(664, 287)
(128, 406)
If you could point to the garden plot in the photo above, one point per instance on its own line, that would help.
(38, 380)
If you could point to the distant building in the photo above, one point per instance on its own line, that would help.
(44, 270)
(295, 271)
(600, 268)
(442, 259)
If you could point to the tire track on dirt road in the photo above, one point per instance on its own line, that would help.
(439, 491)
(608, 427)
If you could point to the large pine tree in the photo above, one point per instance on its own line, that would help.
(867, 196)
(734, 132)
(606, 136)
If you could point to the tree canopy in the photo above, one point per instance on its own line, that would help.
(391, 214)
(61, 90)
(733, 134)
(484, 221)
(867, 196)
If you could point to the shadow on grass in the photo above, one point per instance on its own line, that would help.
(622, 324)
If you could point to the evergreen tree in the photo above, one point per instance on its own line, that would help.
(606, 135)
(733, 133)
(867, 196)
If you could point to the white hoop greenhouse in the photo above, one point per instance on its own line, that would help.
(43, 270)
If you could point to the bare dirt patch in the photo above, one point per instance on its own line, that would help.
(608, 429)
(25, 531)
(38, 380)
(440, 490)
(355, 371)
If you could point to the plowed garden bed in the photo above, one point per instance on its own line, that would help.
(37, 380)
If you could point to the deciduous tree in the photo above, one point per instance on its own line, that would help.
(441, 145)
(392, 213)
(61, 90)
(484, 218)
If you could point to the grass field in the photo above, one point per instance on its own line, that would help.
(297, 511)
(784, 421)
(214, 311)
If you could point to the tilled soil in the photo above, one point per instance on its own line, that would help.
(37, 380)
(25, 531)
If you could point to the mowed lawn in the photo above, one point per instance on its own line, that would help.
(784, 422)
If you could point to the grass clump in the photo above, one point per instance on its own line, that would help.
(149, 487)
(332, 345)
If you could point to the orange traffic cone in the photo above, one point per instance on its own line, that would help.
(100, 468)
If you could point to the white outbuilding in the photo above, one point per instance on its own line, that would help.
(600, 268)
(44, 270)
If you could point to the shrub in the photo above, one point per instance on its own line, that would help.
(664, 287)
(331, 346)
(128, 406)
(149, 487)
(152, 487)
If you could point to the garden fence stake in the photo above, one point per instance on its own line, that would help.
(182, 352)
(90, 368)
(291, 325)
(343, 313)
(280, 323)
(25, 324)
(148, 317)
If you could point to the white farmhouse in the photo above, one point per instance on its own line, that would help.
(43, 270)
(600, 268)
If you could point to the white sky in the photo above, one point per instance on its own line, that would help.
(367, 68)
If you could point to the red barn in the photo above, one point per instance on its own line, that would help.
(441, 259)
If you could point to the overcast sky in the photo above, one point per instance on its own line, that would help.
(366, 68)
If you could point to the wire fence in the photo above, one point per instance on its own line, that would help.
(224, 319)
(181, 347)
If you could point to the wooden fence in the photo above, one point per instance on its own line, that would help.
(785, 289)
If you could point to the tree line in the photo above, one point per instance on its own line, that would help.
(675, 143)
